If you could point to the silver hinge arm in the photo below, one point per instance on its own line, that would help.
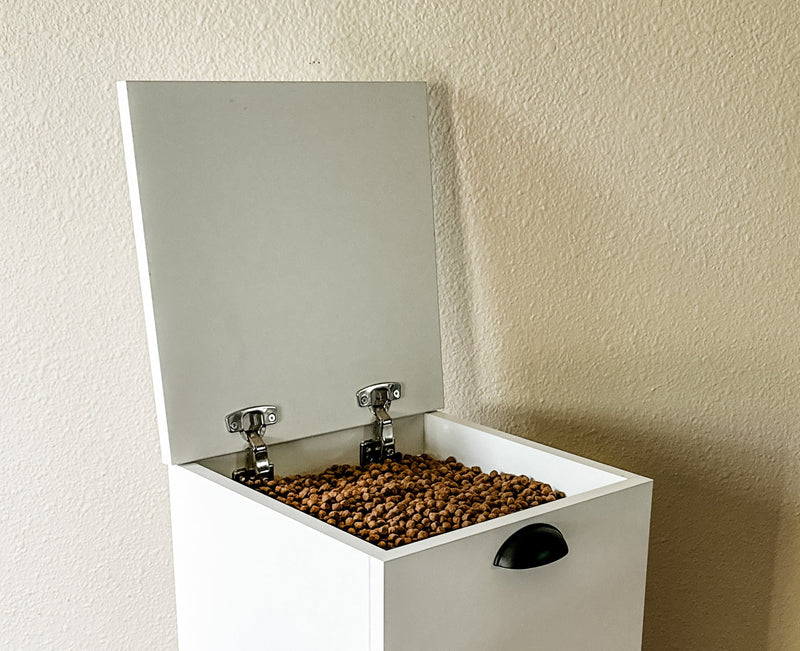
(378, 397)
(250, 423)
(383, 426)
(258, 453)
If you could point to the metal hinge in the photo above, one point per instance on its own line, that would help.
(250, 423)
(378, 397)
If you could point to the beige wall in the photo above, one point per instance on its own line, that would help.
(618, 213)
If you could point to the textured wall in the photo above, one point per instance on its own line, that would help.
(617, 211)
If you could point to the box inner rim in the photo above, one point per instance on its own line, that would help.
(434, 433)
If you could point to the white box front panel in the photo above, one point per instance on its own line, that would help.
(247, 577)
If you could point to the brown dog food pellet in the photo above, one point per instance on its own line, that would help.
(401, 501)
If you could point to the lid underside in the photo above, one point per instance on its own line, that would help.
(285, 241)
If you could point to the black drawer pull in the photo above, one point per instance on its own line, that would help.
(531, 546)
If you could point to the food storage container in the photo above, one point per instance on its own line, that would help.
(286, 252)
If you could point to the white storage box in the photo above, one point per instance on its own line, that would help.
(285, 241)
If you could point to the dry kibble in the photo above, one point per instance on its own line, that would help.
(400, 501)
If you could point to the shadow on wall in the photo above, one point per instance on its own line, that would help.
(455, 293)
(714, 527)
(710, 563)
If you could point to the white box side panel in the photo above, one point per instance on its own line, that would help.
(317, 453)
(247, 577)
(491, 449)
(453, 597)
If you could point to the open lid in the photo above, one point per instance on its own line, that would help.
(286, 253)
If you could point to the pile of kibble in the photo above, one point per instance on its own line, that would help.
(397, 502)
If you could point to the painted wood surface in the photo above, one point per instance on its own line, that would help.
(491, 449)
(286, 253)
(452, 597)
(440, 593)
(247, 577)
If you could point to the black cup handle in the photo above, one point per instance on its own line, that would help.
(531, 546)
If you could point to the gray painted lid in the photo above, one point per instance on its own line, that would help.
(286, 252)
